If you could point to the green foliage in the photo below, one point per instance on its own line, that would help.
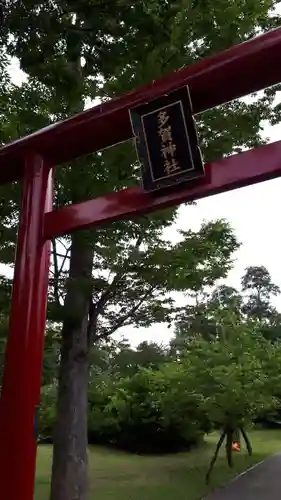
(127, 361)
(51, 357)
(234, 377)
(69, 60)
(74, 52)
(237, 379)
(138, 413)
(207, 316)
(260, 289)
(166, 407)
(212, 309)
(47, 413)
(216, 315)
(139, 416)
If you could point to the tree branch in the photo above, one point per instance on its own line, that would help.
(57, 269)
(64, 258)
(95, 309)
(61, 242)
(110, 290)
(61, 255)
(126, 316)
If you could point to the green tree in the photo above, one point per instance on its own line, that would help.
(259, 287)
(51, 356)
(127, 361)
(207, 316)
(237, 380)
(259, 291)
(119, 358)
(74, 52)
(193, 320)
(226, 297)
(271, 327)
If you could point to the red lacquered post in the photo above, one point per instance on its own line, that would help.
(22, 372)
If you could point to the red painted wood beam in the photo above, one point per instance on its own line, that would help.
(256, 165)
(242, 69)
(21, 382)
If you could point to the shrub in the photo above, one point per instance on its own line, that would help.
(140, 416)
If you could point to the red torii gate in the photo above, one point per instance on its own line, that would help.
(238, 71)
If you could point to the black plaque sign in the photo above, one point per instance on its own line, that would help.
(167, 142)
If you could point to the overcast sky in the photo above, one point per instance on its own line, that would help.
(254, 215)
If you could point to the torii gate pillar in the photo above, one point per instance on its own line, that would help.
(22, 374)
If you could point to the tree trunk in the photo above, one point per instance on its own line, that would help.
(70, 465)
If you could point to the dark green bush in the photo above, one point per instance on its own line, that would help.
(141, 414)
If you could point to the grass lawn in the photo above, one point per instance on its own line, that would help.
(119, 476)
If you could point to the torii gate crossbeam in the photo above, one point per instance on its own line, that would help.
(238, 71)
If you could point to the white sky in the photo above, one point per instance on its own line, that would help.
(253, 212)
